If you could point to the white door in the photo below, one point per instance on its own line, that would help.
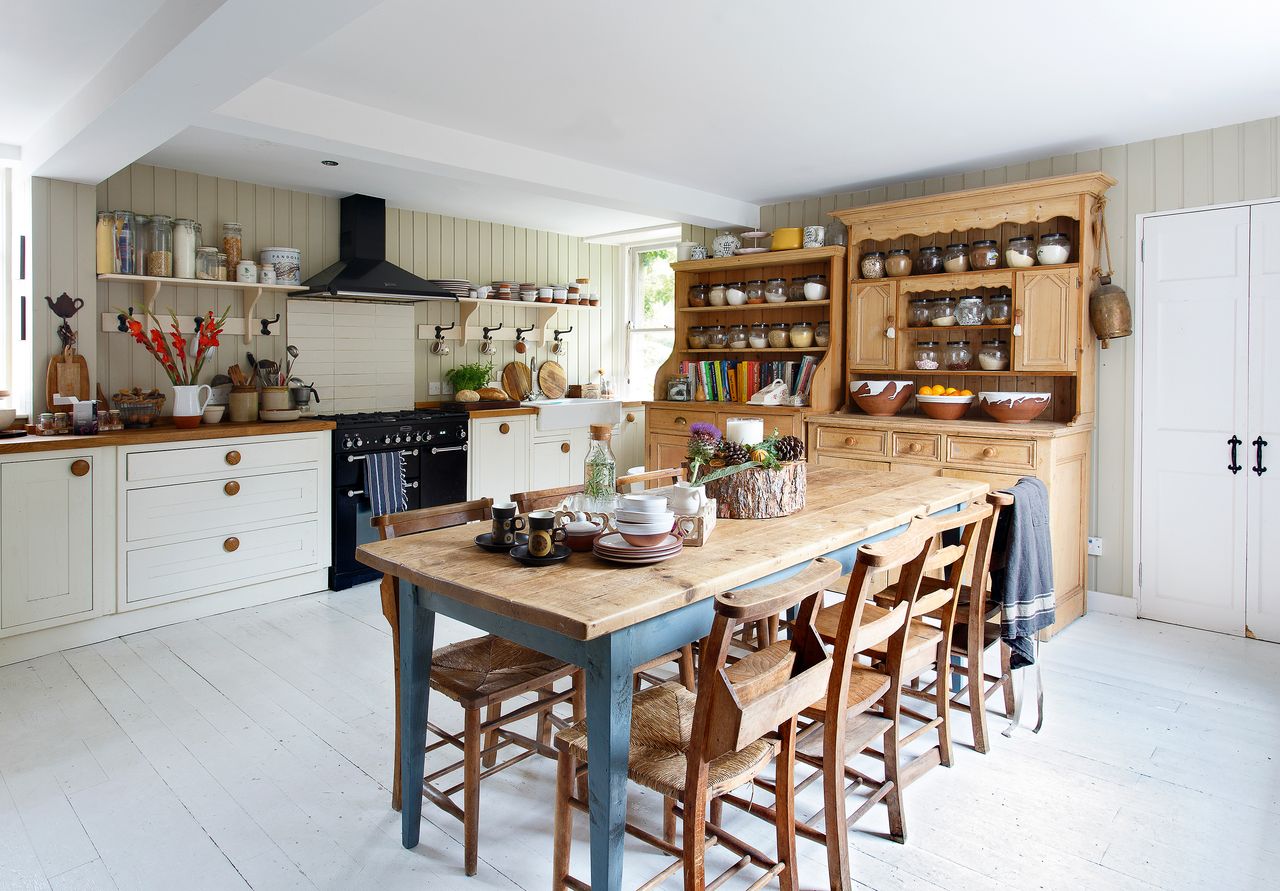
(1263, 560)
(1195, 377)
(498, 463)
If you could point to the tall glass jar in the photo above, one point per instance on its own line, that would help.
(207, 263)
(184, 249)
(600, 471)
(199, 235)
(160, 246)
(958, 355)
(929, 260)
(956, 257)
(220, 270)
(775, 290)
(126, 243)
(232, 243)
(105, 242)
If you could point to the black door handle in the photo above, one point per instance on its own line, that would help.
(1258, 466)
(1235, 442)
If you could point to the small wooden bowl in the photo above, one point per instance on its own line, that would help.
(944, 408)
(881, 398)
(1013, 408)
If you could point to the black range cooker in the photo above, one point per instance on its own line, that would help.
(434, 446)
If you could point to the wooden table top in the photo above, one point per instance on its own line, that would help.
(586, 597)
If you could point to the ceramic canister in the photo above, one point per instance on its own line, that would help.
(247, 272)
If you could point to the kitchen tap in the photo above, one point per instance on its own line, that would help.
(533, 377)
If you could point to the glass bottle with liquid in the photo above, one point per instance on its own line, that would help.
(600, 472)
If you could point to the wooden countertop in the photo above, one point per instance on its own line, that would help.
(922, 424)
(159, 433)
(586, 597)
(744, 408)
(502, 412)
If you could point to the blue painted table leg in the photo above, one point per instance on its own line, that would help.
(417, 629)
(608, 675)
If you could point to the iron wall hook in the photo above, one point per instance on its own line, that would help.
(267, 323)
(440, 329)
(487, 329)
(121, 319)
(558, 332)
(520, 333)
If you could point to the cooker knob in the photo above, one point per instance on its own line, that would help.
(397, 439)
(346, 442)
(386, 440)
(359, 441)
(462, 433)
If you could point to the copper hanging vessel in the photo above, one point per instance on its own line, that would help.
(1109, 310)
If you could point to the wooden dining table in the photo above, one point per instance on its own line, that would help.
(610, 619)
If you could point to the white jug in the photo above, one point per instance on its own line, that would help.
(188, 406)
(687, 499)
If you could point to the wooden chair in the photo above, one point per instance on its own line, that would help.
(479, 673)
(667, 476)
(696, 748)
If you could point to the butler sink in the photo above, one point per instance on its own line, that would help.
(567, 414)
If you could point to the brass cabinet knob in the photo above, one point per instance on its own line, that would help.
(988, 452)
(564, 447)
(631, 417)
(913, 447)
(682, 420)
(850, 440)
(233, 457)
(79, 467)
(232, 487)
(231, 544)
(504, 428)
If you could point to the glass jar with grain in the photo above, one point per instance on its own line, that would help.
(918, 312)
(822, 334)
(220, 270)
(105, 242)
(898, 263)
(207, 264)
(233, 243)
(697, 338)
(755, 291)
(1020, 252)
(929, 260)
(926, 355)
(994, 355)
(872, 265)
(795, 294)
(716, 337)
(697, 295)
(716, 296)
(984, 255)
(779, 336)
(956, 257)
(159, 260)
(942, 312)
(958, 355)
(801, 335)
(998, 309)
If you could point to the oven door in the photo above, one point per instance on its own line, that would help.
(443, 474)
(352, 524)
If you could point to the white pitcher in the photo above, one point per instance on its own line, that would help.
(687, 499)
(188, 406)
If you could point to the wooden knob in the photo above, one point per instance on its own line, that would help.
(850, 440)
(913, 447)
(79, 467)
(988, 452)
(504, 428)
(564, 447)
(233, 457)
(631, 417)
(231, 544)
(682, 420)
(231, 488)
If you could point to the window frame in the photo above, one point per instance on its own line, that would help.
(633, 306)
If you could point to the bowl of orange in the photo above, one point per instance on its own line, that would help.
(944, 403)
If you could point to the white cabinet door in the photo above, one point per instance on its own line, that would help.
(628, 439)
(498, 460)
(553, 463)
(1195, 379)
(46, 539)
(1262, 611)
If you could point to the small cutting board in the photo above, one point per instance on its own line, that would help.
(551, 379)
(517, 381)
(69, 376)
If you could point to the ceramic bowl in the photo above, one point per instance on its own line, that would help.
(787, 238)
(581, 535)
(645, 504)
(644, 535)
(881, 398)
(945, 408)
(635, 516)
(7, 417)
(213, 413)
(1012, 407)
(815, 291)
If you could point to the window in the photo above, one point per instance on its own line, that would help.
(651, 315)
(7, 327)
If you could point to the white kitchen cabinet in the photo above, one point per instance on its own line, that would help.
(498, 459)
(628, 439)
(556, 460)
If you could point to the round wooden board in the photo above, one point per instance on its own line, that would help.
(551, 380)
(517, 381)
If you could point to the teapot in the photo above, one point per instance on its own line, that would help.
(65, 307)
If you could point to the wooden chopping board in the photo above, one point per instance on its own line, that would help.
(551, 379)
(68, 375)
(517, 381)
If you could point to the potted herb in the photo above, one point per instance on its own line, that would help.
(471, 376)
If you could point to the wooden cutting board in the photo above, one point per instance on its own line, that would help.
(517, 381)
(551, 379)
(68, 375)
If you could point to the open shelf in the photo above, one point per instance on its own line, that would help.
(790, 304)
(1001, 276)
(153, 283)
(815, 349)
(768, 258)
(939, 329)
(944, 372)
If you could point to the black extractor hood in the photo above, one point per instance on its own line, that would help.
(363, 271)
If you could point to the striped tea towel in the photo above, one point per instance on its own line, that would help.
(384, 482)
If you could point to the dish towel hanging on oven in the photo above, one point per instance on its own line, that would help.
(384, 482)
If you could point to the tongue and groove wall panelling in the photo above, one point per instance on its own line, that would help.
(1240, 162)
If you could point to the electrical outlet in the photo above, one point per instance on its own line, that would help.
(433, 388)
(1095, 546)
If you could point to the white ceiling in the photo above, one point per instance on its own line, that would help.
(583, 116)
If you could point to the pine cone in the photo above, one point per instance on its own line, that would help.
(733, 453)
(789, 448)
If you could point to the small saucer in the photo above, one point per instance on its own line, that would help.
(559, 553)
(485, 540)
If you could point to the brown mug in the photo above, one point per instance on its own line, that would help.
(544, 533)
(506, 523)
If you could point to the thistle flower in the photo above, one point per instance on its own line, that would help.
(704, 432)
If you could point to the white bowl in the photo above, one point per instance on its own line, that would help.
(213, 413)
(945, 400)
(645, 504)
(635, 516)
(644, 528)
(815, 291)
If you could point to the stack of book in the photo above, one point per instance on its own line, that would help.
(735, 380)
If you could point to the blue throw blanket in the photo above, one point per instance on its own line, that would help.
(1024, 585)
(384, 482)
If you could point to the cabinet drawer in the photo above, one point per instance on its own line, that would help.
(975, 450)
(218, 562)
(917, 445)
(846, 439)
(829, 460)
(233, 457)
(677, 420)
(195, 508)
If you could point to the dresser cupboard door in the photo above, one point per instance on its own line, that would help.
(871, 315)
(46, 539)
(1046, 306)
(666, 450)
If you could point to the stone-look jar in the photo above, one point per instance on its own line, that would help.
(872, 265)
(758, 336)
(247, 272)
(956, 257)
(926, 355)
(779, 335)
(929, 260)
(994, 355)
(1020, 252)
(898, 263)
(984, 255)
(918, 312)
(242, 405)
(276, 399)
(698, 295)
(1054, 249)
(801, 335)
(775, 290)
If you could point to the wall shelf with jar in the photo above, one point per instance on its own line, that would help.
(245, 326)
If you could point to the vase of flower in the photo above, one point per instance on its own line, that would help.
(188, 407)
(173, 351)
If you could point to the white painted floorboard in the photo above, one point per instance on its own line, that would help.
(253, 749)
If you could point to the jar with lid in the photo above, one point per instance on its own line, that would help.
(199, 235)
(779, 335)
(698, 295)
(1020, 252)
(795, 294)
(942, 312)
(929, 260)
(126, 243)
(220, 271)
(956, 257)
(207, 263)
(105, 242)
(822, 334)
(716, 337)
(872, 265)
(61, 423)
(994, 355)
(984, 255)
(600, 471)
(775, 290)
(918, 312)
(697, 338)
(801, 334)
(715, 296)
(232, 243)
(755, 291)
(160, 246)
(958, 355)
(758, 336)
(816, 287)
(1054, 249)
(735, 293)
(142, 242)
(926, 355)
(898, 263)
(998, 309)
(970, 310)
(738, 337)
(184, 248)
(45, 424)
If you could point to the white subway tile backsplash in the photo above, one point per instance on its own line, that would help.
(360, 355)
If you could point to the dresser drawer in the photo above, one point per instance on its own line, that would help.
(218, 562)
(234, 457)
(847, 439)
(917, 445)
(195, 508)
(976, 450)
(676, 420)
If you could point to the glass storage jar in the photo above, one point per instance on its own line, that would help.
(994, 355)
(926, 355)
(207, 263)
(697, 338)
(1054, 249)
(105, 242)
(775, 290)
(716, 337)
(918, 312)
(738, 337)
(822, 334)
(220, 270)
(801, 334)
(795, 294)
(232, 243)
(998, 309)
(142, 242)
(970, 310)
(872, 265)
(160, 246)
(716, 297)
(898, 263)
(698, 295)
(184, 248)
(755, 291)
(958, 356)
(984, 255)
(928, 260)
(956, 257)
(735, 293)
(199, 235)
(779, 335)
(819, 293)
(1020, 252)
(758, 336)
(942, 312)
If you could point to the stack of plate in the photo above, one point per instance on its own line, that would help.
(614, 548)
(459, 287)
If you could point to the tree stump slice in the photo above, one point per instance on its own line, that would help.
(760, 493)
